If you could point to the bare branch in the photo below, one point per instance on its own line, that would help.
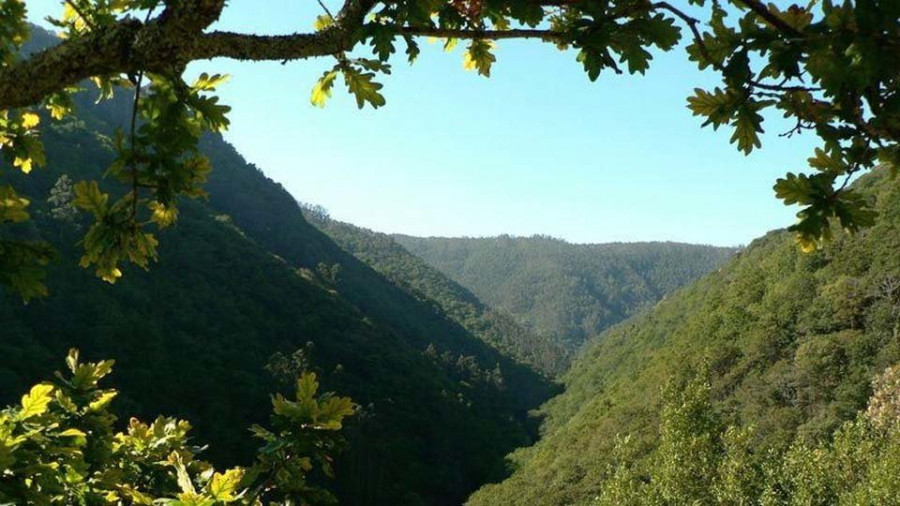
(240, 46)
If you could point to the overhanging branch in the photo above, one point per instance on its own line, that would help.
(523, 33)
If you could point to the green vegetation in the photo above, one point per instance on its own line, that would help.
(792, 342)
(238, 282)
(700, 461)
(565, 292)
(59, 447)
(753, 385)
(407, 271)
(820, 65)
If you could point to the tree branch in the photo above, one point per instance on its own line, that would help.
(692, 23)
(240, 46)
(522, 33)
(103, 52)
(762, 11)
(191, 16)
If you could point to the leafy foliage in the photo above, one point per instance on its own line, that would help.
(701, 462)
(59, 447)
(821, 65)
(237, 284)
(791, 343)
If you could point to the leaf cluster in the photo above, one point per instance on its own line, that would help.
(58, 446)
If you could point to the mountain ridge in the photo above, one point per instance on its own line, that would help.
(571, 292)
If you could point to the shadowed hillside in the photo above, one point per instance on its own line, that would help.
(412, 274)
(241, 277)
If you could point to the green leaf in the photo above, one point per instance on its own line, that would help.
(637, 58)
(747, 127)
(718, 106)
(72, 359)
(824, 162)
(12, 206)
(102, 402)
(382, 41)
(72, 433)
(184, 479)
(36, 401)
(222, 487)
(321, 92)
(333, 411)
(412, 49)
(363, 87)
(307, 386)
(208, 82)
(478, 57)
(162, 214)
(322, 22)
(89, 197)
(794, 189)
(853, 212)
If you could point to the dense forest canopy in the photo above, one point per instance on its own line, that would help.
(822, 65)
(246, 286)
(567, 292)
(495, 327)
(781, 346)
(753, 385)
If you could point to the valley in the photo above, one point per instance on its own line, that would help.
(177, 327)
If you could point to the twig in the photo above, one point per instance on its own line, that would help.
(519, 33)
(763, 12)
(135, 190)
(325, 8)
(80, 13)
(692, 23)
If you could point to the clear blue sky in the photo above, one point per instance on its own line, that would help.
(537, 148)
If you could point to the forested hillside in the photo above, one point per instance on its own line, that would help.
(409, 272)
(789, 343)
(567, 292)
(240, 278)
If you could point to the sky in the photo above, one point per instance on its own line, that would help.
(535, 149)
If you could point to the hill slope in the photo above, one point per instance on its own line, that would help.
(406, 270)
(791, 340)
(237, 282)
(569, 292)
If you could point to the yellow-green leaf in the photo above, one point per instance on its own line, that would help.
(322, 22)
(222, 487)
(25, 164)
(333, 411)
(103, 401)
(35, 402)
(89, 197)
(163, 215)
(30, 120)
(208, 82)
(321, 92)
(478, 57)
(307, 386)
(12, 206)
